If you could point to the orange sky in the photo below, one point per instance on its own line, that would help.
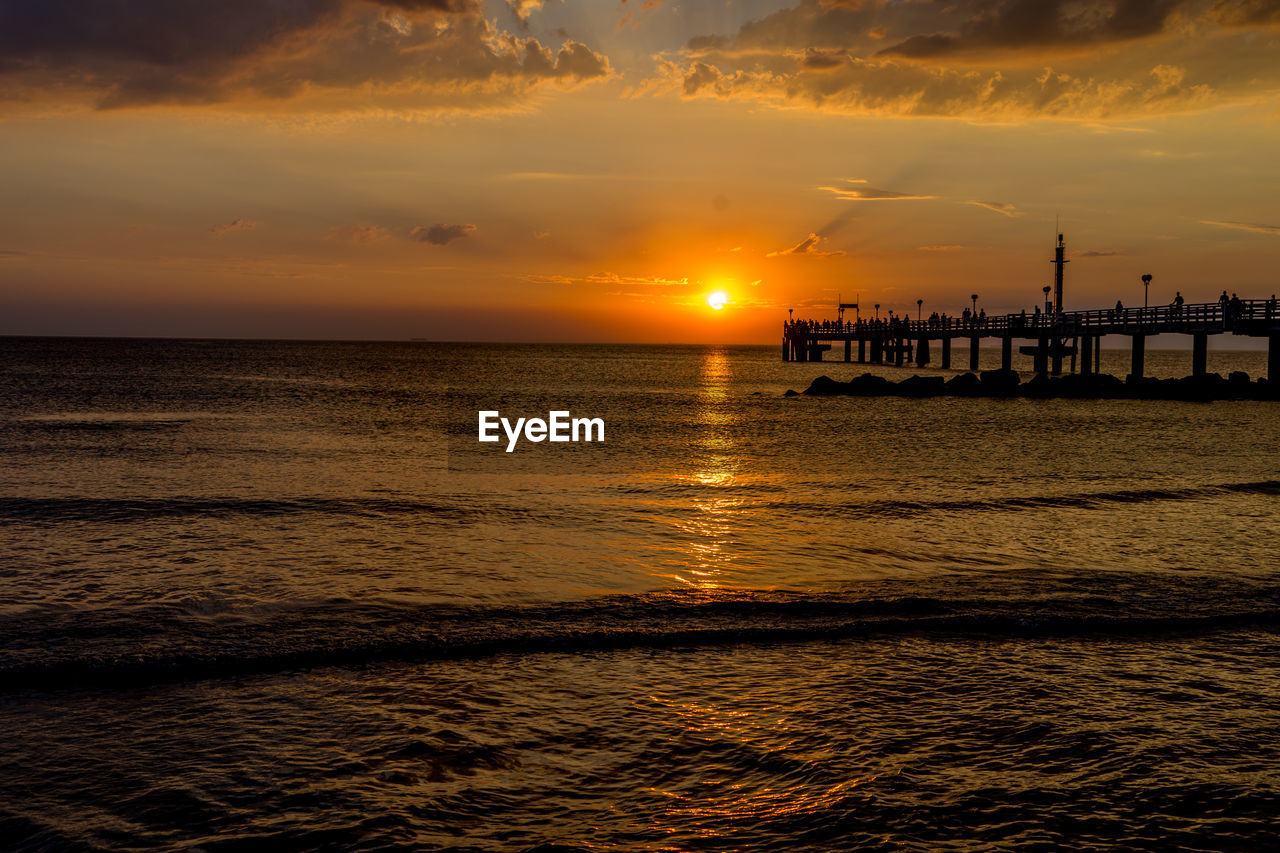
(574, 170)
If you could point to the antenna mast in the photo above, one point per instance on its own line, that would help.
(1058, 262)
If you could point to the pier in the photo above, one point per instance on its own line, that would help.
(1055, 336)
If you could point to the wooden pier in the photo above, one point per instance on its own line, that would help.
(1055, 334)
(1054, 338)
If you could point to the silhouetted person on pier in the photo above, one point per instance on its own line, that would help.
(1119, 315)
(1177, 303)
(1235, 309)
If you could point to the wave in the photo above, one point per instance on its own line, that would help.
(1013, 503)
(62, 650)
(56, 509)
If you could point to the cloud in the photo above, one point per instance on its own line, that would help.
(1109, 253)
(441, 234)
(950, 248)
(999, 207)
(864, 193)
(234, 225)
(1256, 228)
(607, 278)
(522, 9)
(1245, 13)
(1025, 24)
(319, 54)
(358, 234)
(1008, 60)
(807, 247)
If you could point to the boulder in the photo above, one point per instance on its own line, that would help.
(869, 385)
(922, 386)
(964, 385)
(825, 386)
(1040, 385)
(997, 382)
(1089, 385)
(1203, 389)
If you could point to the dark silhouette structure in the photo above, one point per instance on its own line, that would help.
(1054, 336)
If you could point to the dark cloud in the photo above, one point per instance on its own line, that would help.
(1021, 24)
(1108, 253)
(859, 191)
(821, 61)
(358, 234)
(414, 52)
(238, 224)
(807, 247)
(441, 234)
(1003, 59)
(1246, 13)
(37, 33)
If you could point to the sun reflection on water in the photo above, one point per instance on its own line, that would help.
(705, 560)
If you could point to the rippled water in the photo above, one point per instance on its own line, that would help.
(276, 594)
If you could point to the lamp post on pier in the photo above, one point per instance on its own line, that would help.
(919, 309)
(1146, 289)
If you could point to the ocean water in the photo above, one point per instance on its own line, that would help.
(275, 595)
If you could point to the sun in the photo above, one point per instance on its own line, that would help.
(717, 299)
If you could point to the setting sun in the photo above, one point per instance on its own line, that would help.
(717, 299)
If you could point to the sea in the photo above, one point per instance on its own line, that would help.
(277, 596)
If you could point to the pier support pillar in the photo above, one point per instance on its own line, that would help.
(848, 349)
(1086, 355)
(1056, 356)
(786, 349)
(1097, 354)
(1139, 356)
(862, 350)
(1006, 353)
(946, 353)
(1273, 358)
(1200, 354)
(1041, 365)
(877, 351)
(900, 351)
(973, 352)
(922, 352)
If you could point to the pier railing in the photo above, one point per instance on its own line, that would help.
(1243, 316)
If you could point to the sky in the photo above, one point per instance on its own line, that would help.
(593, 170)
